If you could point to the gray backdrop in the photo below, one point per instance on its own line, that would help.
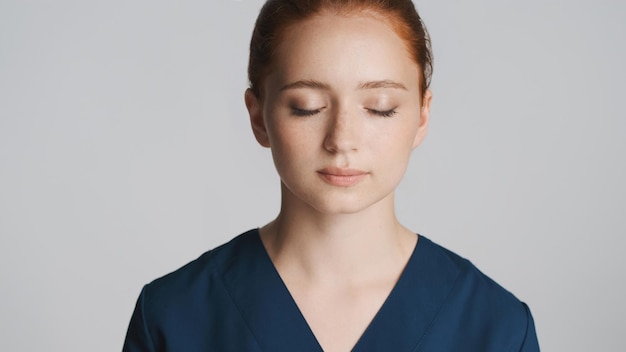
(125, 152)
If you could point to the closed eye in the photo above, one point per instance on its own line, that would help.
(304, 112)
(383, 113)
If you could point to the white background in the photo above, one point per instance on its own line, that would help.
(125, 152)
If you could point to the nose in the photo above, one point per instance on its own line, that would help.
(344, 132)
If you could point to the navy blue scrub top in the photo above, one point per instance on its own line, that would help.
(232, 299)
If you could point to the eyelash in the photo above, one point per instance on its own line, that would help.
(385, 113)
(303, 112)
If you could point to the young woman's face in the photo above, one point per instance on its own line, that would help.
(341, 112)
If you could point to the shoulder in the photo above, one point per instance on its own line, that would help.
(468, 278)
(201, 272)
(479, 304)
(192, 286)
(186, 308)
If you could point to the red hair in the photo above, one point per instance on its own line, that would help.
(277, 15)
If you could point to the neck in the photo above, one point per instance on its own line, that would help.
(337, 248)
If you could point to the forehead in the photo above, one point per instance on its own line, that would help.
(342, 49)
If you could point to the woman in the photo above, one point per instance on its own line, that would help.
(339, 93)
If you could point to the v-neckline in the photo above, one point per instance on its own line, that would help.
(268, 307)
(378, 312)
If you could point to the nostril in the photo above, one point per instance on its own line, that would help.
(341, 140)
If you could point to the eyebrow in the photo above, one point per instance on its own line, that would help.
(313, 84)
(306, 84)
(382, 84)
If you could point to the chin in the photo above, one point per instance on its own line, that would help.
(343, 205)
(334, 200)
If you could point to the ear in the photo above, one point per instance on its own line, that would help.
(255, 110)
(422, 128)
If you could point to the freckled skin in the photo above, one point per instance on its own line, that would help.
(342, 97)
(343, 53)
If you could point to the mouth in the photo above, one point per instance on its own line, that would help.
(342, 177)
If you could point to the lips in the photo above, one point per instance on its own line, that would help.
(342, 177)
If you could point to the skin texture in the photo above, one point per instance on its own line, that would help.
(341, 114)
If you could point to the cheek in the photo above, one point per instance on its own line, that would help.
(288, 137)
(395, 149)
(397, 137)
(290, 145)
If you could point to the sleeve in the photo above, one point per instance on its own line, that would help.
(138, 337)
(530, 344)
